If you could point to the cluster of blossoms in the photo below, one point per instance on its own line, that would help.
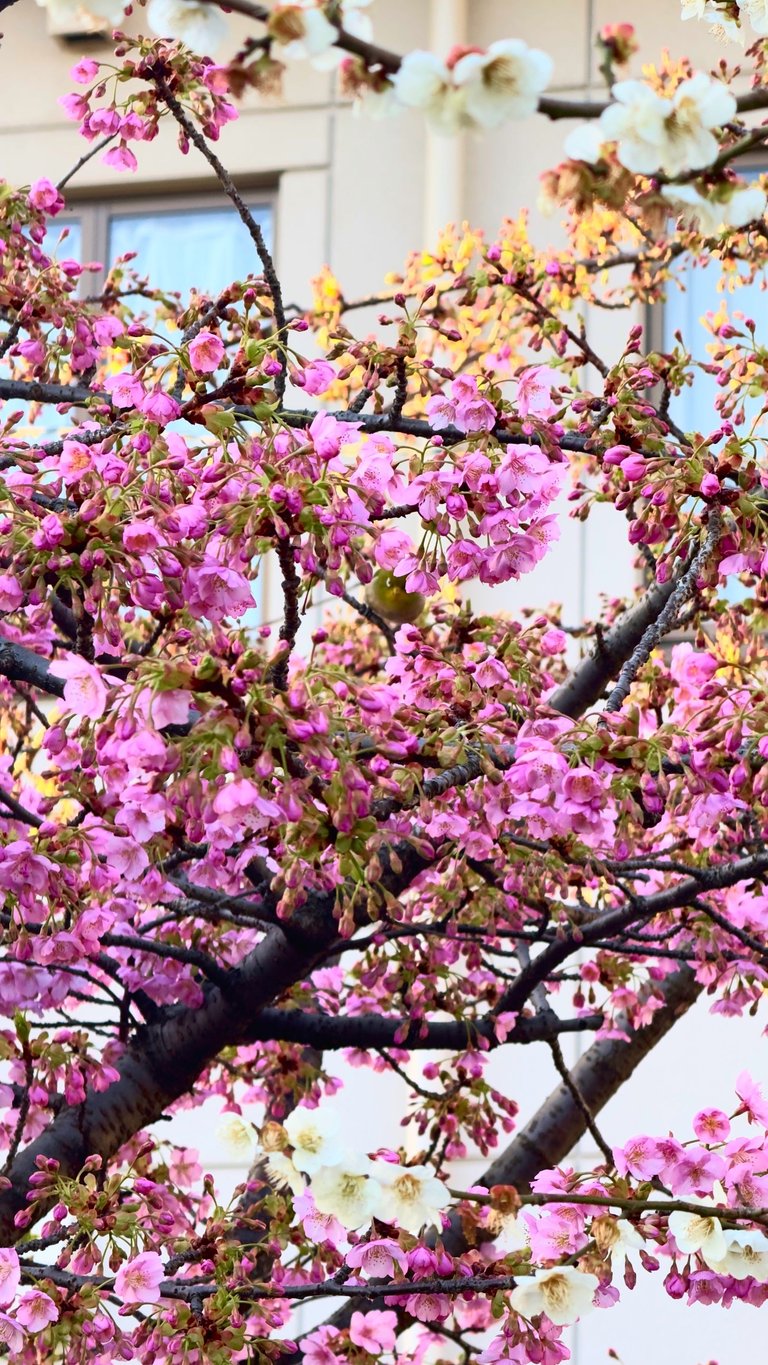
(653, 132)
(727, 17)
(471, 88)
(302, 28)
(412, 828)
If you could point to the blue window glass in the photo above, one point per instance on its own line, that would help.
(182, 249)
(684, 312)
(703, 293)
(71, 248)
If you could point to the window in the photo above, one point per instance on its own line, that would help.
(684, 311)
(180, 241)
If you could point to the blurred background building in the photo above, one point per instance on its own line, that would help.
(359, 195)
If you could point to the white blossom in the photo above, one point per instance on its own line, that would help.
(481, 90)
(410, 1196)
(746, 1253)
(672, 135)
(201, 26)
(709, 10)
(423, 81)
(714, 216)
(317, 37)
(284, 1174)
(313, 1134)
(620, 1239)
(697, 1232)
(352, 21)
(757, 14)
(503, 82)
(347, 1191)
(63, 12)
(585, 143)
(236, 1135)
(563, 1293)
(377, 103)
(510, 1237)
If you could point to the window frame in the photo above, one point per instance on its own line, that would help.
(94, 211)
(654, 317)
(654, 313)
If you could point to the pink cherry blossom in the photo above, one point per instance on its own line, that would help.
(45, 196)
(377, 1258)
(84, 71)
(751, 1096)
(316, 377)
(85, 691)
(319, 1227)
(317, 1347)
(138, 1280)
(206, 352)
(711, 1125)
(121, 157)
(10, 1275)
(11, 1334)
(534, 392)
(640, 1156)
(36, 1310)
(11, 592)
(373, 1331)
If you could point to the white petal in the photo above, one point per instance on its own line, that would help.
(585, 143)
(420, 79)
(201, 26)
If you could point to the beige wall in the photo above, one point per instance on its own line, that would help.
(360, 195)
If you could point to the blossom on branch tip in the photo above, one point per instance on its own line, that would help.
(694, 1232)
(410, 1197)
(348, 1192)
(199, 25)
(138, 1280)
(474, 89)
(10, 1275)
(313, 1135)
(745, 1255)
(563, 1293)
(653, 133)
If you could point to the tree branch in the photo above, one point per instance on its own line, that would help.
(587, 682)
(329, 1032)
(683, 589)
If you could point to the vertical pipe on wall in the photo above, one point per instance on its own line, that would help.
(444, 160)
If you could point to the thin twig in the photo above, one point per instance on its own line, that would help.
(256, 234)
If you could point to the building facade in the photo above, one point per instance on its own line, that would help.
(359, 195)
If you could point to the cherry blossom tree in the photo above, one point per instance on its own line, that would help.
(424, 832)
